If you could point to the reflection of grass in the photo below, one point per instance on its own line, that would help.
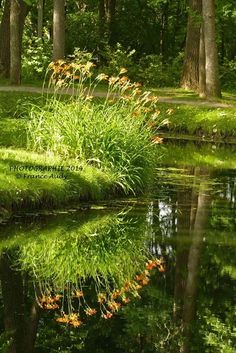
(191, 154)
(100, 246)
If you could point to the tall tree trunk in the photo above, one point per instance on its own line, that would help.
(200, 224)
(102, 19)
(111, 10)
(40, 18)
(212, 66)
(58, 29)
(202, 65)
(5, 41)
(15, 48)
(190, 76)
(164, 28)
(18, 13)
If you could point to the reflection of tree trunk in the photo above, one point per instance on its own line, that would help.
(182, 250)
(187, 203)
(200, 224)
(23, 329)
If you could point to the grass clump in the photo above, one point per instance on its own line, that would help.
(112, 134)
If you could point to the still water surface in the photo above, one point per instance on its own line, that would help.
(153, 274)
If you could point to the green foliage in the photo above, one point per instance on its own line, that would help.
(228, 73)
(154, 72)
(36, 58)
(118, 57)
(220, 337)
(5, 341)
(82, 28)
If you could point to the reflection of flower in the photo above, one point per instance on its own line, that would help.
(108, 315)
(90, 311)
(123, 70)
(114, 306)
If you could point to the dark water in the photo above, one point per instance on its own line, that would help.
(153, 274)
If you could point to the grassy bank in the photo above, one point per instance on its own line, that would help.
(209, 123)
(31, 180)
(58, 150)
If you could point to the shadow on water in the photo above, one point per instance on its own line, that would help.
(82, 282)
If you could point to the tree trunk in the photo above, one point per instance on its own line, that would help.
(212, 66)
(5, 41)
(102, 19)
(15, 48)
(111, 10)
(18, 13)
(58, 29)
(190, 76)
(202, 65)
(40, 18)
(163, 32)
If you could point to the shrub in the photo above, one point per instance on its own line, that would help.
(36, 58)
(153, 72)
(115, 58)
(113, 133)
(228, 73)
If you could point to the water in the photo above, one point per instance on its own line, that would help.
(97, 263)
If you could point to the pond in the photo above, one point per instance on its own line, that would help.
(150, 274)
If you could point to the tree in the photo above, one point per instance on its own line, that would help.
(190, 76)
(18, 13)
(15, 50)
(5, 41)
(58, 29)
(211, 54)
(40, 18)
(202, 65)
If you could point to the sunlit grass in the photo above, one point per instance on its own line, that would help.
(25, 189)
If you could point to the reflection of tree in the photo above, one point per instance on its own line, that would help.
(197, 232)
(20, 319)
(95, 258)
